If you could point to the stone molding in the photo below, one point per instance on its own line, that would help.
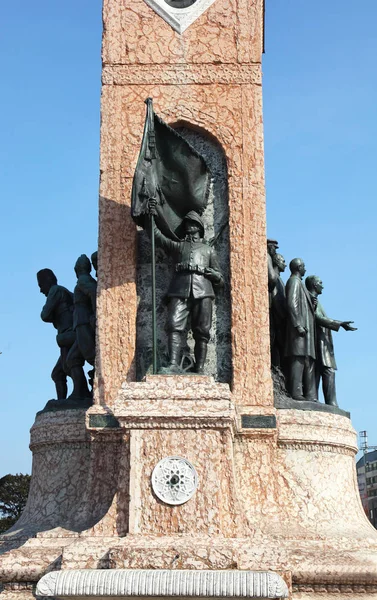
(316, 447)
(18, 586)
(162, 583)
(184, 74)
(171, 423)
(64, 426)
(318, 588)
(316, 430)
(66, 445)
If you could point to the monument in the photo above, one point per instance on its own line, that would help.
(188, 484)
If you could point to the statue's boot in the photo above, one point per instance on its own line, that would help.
(80, 385)
(175, 350)
(61, 389)
(200, 352)
(332, 402)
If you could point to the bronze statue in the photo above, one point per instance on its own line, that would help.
(58, 310)
(300, 339)
(272, 246)
(191, 291)
(278, 312)
(84, 320)
(176, 178)
(325, 365)
(94, 259)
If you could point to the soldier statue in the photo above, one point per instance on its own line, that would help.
(278, 313)
(58, 310)
(191, 291)
(300, 338)
(325, 365)
(84, 318)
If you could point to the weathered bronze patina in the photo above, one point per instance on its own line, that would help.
(191, 291)
(169, 194)
(278, 313)
(58, 310)
(300, 340)
(84, 321)
(325, 364)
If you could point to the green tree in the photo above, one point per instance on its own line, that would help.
(14, 490)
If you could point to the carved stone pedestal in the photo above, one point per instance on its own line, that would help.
(275, 495)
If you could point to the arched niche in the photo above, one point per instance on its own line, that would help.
(216, 219)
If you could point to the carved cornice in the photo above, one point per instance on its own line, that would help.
(38, 447)
(312, 446)
(18, 586)
(179, 423)
(351, 590)
(181, 74)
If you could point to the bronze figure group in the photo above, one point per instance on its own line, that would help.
(300, 331)
(74, 317)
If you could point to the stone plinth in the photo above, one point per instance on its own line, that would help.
(179, 397)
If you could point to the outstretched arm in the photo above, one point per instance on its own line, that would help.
(322, 319)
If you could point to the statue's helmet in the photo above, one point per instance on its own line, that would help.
(193, 216)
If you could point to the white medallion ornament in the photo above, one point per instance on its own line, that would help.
(174, 480)
(180, 14)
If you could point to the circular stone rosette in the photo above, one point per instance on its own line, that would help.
(174, 480)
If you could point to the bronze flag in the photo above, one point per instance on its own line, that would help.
(170, 170)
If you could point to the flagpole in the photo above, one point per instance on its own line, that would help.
(154, 319)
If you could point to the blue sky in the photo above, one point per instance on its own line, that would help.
(320, 98)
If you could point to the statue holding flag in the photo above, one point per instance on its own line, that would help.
(169, 195)
(191, 291)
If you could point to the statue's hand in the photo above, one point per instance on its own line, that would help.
(212, 274)
(347, 326)
(152, 206)
(301, 331)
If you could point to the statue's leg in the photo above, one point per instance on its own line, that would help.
(75, 363)
(59, 377)
(328, 386)
(310, 389)
(201, 321)
(296, 377)
(318, 375)
(275, 359)
(86, 342)
(177, 321)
